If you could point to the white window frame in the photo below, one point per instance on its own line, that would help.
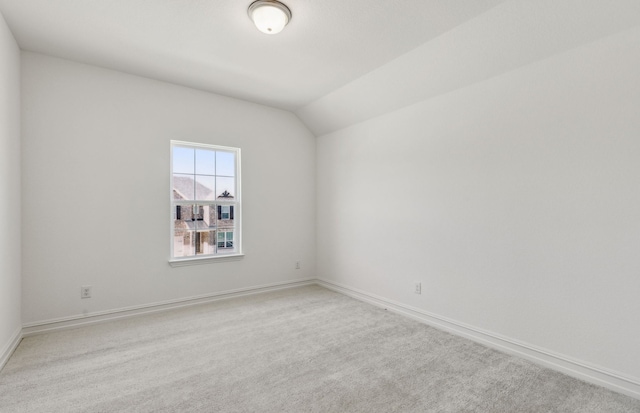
(236, 230)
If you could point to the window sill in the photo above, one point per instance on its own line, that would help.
(205, 260)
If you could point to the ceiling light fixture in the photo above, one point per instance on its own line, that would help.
(269, 16)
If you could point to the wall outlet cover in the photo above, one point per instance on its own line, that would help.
(85, 291)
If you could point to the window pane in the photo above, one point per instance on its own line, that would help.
(225, 163)
(225, 188)
(183, 243)
(183, 160)
(206, 242)
(183, 216)
(179, 215)
(221, 236)
(205, 187)
(226, 246)
(205, 162)
(183, 187)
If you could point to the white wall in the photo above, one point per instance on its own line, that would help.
(10, 209)
(96, 180)
(515, 201)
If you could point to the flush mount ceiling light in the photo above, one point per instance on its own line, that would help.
(269, 16)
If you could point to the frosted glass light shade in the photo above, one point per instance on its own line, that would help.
(269, 16)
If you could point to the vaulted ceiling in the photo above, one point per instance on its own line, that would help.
(338, 62)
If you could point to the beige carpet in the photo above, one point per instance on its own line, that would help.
(299, 350)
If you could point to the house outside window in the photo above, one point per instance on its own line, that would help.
(205, 201)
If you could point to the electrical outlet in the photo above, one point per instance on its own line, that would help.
(297, 265)
(85, 291)
(417, 288)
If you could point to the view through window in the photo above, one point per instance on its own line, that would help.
(205, 200)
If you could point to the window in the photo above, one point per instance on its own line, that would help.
(224, 211)
(225, 239)
(205, 201)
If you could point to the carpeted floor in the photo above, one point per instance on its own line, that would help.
(299, 350)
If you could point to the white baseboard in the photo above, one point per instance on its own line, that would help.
(10, 347)
(115, 314)
(600, 376)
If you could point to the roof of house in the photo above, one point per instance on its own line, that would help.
(185, 187)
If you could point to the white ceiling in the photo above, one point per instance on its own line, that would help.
(337, 63)
(511, 35)
(212, 44)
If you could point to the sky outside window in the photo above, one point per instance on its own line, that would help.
(212, 172)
